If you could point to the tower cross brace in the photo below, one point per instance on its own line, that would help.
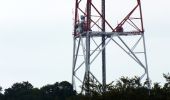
(87, 48)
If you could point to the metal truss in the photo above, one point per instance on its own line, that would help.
(87, 47)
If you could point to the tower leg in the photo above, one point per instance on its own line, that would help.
(103, 51)
(87, 63)
(74, 45)
(146, 64)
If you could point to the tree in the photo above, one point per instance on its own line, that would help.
(124, 89)
(1, 95)
(49, 92)
(21, 91)
(66, 90)
(166, 88)
(57, 91)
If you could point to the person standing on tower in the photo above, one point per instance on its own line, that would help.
(81, 25)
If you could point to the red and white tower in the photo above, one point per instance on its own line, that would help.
(93, 32)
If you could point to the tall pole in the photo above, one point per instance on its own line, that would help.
(103, 51)
(88, 48)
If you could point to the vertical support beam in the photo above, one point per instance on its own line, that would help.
(87, 83)
(87, 64)
(73, 66)
(88, 14)
(140, 9)
(74, 44)
(146, 64)
(103, 45)
(75, 17)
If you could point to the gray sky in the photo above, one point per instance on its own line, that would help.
(36, 40)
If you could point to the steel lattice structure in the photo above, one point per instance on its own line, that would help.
(92, 27)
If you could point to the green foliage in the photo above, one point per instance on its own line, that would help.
(57, 91)
(25, 91)
(123, 89)
(132, 89)
(21, 91)
(1, 95)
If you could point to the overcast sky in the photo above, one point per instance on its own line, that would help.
(36, 40)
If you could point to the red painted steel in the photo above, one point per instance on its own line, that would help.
(90, 23)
